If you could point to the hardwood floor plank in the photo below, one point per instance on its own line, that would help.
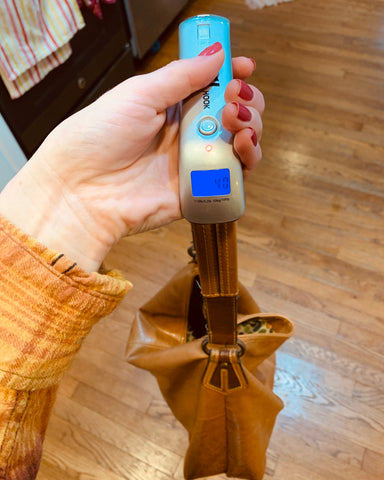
(160, 431)
(117, 435)
(114, 385)
(343, 357)
(373, 463)
(109, 364)
(108, 457)
(294, 470)
(322, 402)
(369, 395)
(295, 434)
(60, 462)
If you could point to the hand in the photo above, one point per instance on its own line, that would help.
(110, 170)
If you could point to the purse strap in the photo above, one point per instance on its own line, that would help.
(216, 252)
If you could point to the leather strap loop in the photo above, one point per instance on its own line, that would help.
(216, 251)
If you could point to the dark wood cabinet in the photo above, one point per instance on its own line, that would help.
(101, 58)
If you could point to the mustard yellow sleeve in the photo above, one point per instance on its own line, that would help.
(47, 307)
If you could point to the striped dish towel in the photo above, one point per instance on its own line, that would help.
(34, 39)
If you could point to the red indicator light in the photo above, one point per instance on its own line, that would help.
(209, 148)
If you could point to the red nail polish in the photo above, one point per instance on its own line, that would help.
(246, 92)
(216, 47)
(254, 63)
(243, 113)
(253, 137)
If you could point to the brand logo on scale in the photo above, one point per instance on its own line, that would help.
(206, 97)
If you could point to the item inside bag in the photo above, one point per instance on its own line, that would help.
(197, 324)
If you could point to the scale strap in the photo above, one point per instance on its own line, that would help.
(216, 252)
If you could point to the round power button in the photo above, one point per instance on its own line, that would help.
(207, 125)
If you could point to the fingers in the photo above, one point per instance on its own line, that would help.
(243, 67)
(177, 80)
(237, 116)
(174, 82)
(248, 149)
(242, 116)
(239, 91)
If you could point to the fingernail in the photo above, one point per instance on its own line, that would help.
(246, 92)
(243, 113)
(254, 63)
(216, 47)
(253, 137)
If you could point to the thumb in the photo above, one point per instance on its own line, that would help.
(177, 80)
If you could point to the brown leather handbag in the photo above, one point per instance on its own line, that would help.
(212, 352)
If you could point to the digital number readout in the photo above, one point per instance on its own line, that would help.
(211, 183)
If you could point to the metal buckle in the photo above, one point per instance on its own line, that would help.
(192, 252)
(241, 347)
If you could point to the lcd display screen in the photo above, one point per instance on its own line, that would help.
(211, 183)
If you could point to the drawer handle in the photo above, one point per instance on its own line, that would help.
(81, 83)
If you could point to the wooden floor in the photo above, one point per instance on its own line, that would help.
(311, 246)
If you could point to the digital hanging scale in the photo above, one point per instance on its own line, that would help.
(210, 174)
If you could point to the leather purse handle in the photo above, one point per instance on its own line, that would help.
(216, 252)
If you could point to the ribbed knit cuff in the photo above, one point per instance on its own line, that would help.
(47, 307)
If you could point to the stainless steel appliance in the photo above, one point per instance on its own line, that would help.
(148, 19)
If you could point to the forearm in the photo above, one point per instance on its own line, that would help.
(24, 418)
(47, 307)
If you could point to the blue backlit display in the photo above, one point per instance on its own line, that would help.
(211, 183)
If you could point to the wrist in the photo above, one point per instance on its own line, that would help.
(34, 201)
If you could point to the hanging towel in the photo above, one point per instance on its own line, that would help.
(34, 39)
(95, 6)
